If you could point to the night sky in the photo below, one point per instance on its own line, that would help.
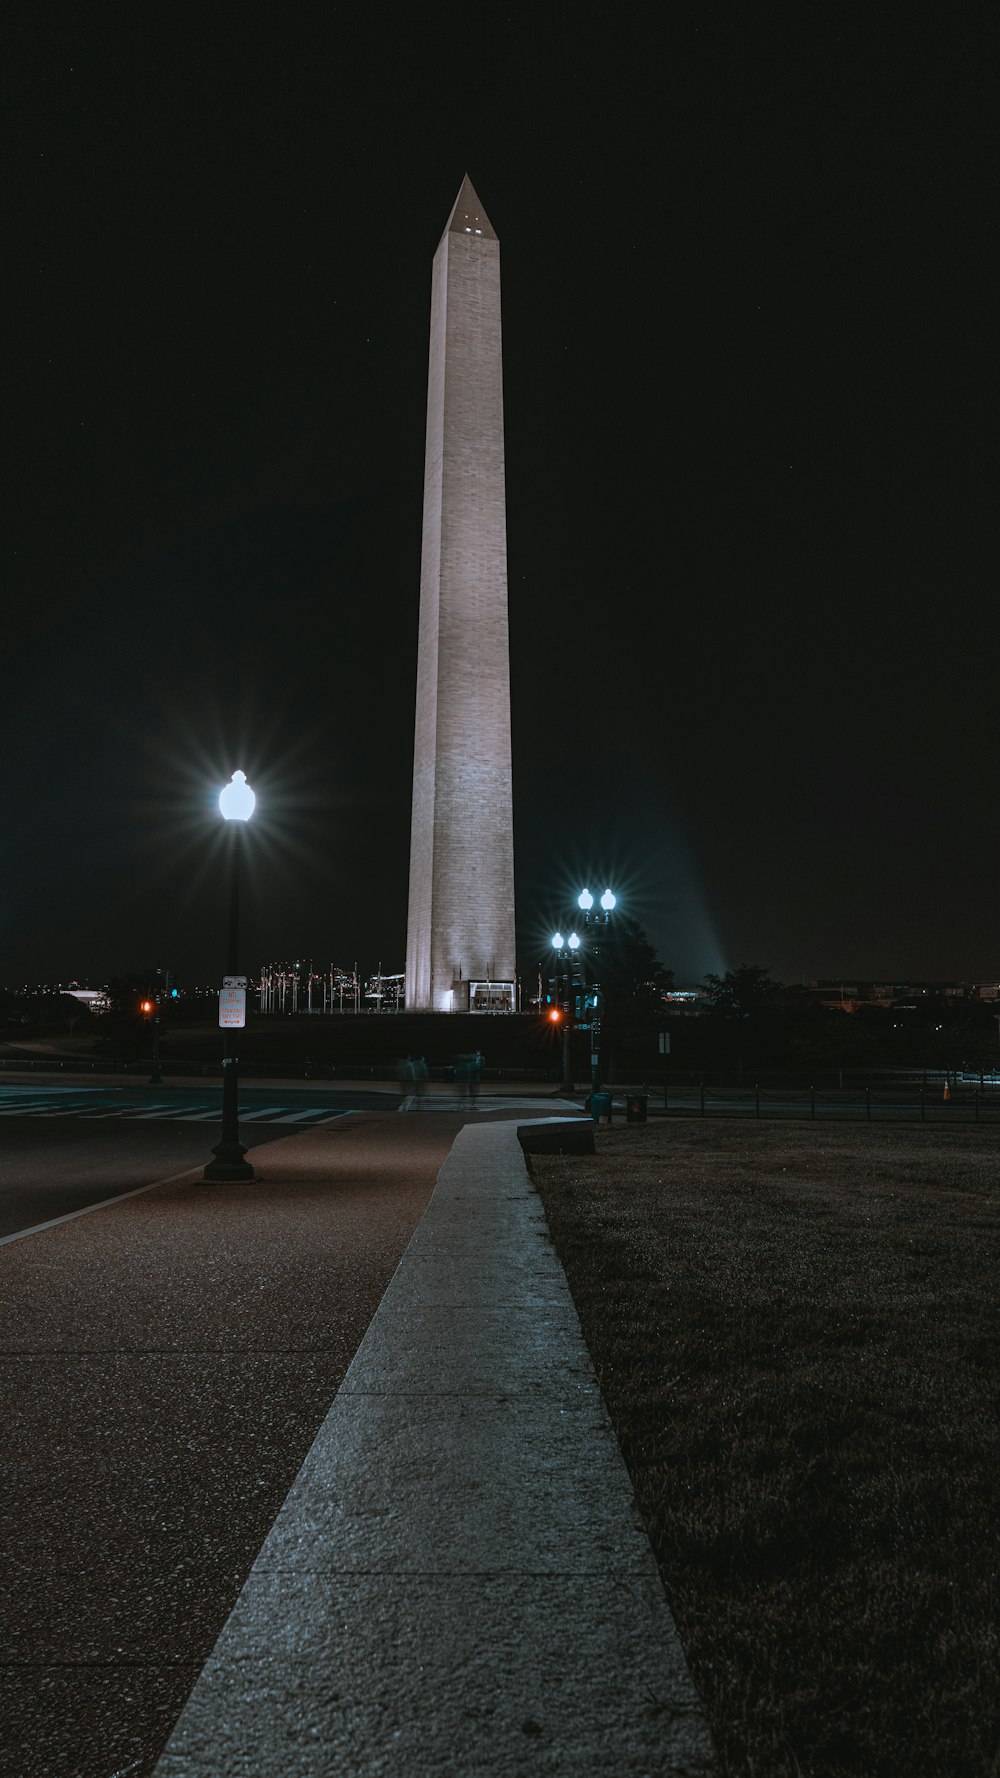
(750, 386)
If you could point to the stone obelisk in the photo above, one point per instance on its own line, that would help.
(460, 939)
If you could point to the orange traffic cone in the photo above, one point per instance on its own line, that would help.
(947, 1092)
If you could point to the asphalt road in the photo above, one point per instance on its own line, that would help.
(63, 1148)
(51, 1169)
(284, 1103)
(164, 1365)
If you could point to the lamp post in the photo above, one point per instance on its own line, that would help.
(585, 902)
(236, 802)
(565, 948)
(152, 1010)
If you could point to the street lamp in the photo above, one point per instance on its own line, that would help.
(594, 922)
(236, 802)
(559, 945)
(566, 949)
(151, 1009)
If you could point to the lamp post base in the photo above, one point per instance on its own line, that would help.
(229, 1163)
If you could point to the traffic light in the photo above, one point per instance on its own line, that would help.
(556, 1015)
(147, 1006)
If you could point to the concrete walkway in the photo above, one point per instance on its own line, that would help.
(458, 1582)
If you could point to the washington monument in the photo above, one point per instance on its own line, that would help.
(460, 938)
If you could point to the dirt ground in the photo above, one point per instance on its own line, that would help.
(796, 1331)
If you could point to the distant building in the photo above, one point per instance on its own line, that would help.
(852, 996)
(94, 999)
(385, 992)
(690, 1002)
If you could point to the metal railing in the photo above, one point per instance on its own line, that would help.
(939, 1103)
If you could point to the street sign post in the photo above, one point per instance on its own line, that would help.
(665, 1051)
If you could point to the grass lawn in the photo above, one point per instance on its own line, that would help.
(796, 1331)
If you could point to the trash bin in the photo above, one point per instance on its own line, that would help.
(600, 1107)
(635, 1107)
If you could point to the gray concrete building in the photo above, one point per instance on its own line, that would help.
(460, 938)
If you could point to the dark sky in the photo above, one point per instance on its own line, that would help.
(750, 385)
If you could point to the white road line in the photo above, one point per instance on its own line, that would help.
(147, 1111)
(249, 1117)
(53, 1092)
(22, 1234)
(70, 1111)
(165, 1112)
(25, 1110)
(94, 1117)
(142, 1110)
(296, 1117)
(199, 1117)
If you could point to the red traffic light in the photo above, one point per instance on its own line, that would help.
(147, 1006)
(556, 1015)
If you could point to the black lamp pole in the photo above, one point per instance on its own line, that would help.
(566, 1084)
(156, 1078)
(230, 1151)
(590, 961)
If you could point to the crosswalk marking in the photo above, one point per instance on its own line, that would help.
(165, 1111)
(173, 1111)
(66, 1111)
(160, 1111)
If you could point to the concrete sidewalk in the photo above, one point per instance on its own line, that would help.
(458, 1582)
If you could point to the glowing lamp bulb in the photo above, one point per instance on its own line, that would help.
(555, 1015)
(574, 942)
(585, 900)
(608, 901)
(558, 940)
(237, 800)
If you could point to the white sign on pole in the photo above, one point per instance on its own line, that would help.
(233, 1007)
(234, 981)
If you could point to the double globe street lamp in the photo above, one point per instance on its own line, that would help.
(585, 901)
(566, 950)
(236, 802)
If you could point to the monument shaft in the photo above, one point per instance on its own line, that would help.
(460, 939)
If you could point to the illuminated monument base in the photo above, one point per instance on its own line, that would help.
(460, 933)
(481, 997)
